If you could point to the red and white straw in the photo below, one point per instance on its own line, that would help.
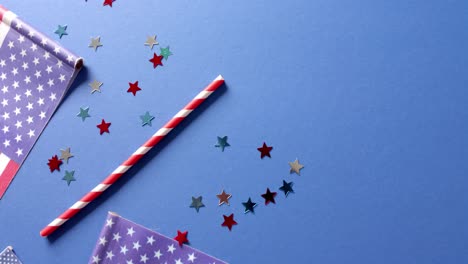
(134, 158)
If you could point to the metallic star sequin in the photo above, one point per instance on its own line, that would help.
(146, 119)
(83, 113)
(229, 221)
(222, 143)
(65, 154)
(165, 52)
(295, 167)
(269, 197)
(61, 31)
(265, 150)
(69, 177)
(287, 188)
(197, 203)
(249, 206)
(223, 198)
(95, 86)
(95, 43)
(151, 41)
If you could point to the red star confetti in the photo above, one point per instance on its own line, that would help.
(229, 221)
(103, 127)
(54, 163)
(265, 151)
(156, 60)
(181, 237)
(108, 2)
(133, 88)
(269, 196)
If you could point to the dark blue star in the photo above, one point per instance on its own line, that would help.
(222, 143)
(287, 187)
(197, 203)
(249, 206)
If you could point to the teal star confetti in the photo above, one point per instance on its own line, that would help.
(61, 31)
(83, 113)
(146, 119)
(249, 206)
(222, 143)
(197, 203)
(69, 177)
(287, 188)
(165, 52)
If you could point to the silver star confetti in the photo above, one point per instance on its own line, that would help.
(151, 41)
(295, 167)
(197, 203)
(95, 43)
(65, 154)
(95, 86)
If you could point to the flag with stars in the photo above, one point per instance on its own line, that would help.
(35, 73)
(122, 241)
(9, 257)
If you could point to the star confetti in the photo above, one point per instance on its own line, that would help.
(249, 206)
(65, 154)
(108, 2)
(133, 88)
(83, 113)
(95, 86)
(95, 43)
(146, 119)
(54, 163)
(181, 237)
(229, 221)
(269, 197)
(69, 177)
(61, 31)
(103, 127)
(223, 198)
(287, 188)
(151, 41)
(197, 203)
(165, 52)
(222, 143)
(296, 167)
(156, 60)
(265, 151)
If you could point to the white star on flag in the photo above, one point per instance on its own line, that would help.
(25, 57)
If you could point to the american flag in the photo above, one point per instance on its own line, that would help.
(9, 257)
(35, 73)
(122, 241)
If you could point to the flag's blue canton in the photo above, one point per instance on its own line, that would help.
(34, 75)
(9, 257)
(125, 242)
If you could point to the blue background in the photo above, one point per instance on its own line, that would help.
(370, 96)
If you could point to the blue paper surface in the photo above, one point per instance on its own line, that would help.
(370, 96)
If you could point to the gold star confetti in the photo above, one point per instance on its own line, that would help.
(151, 41)
(65, 154)
(95, 43)
(95, 86)
(295, 167)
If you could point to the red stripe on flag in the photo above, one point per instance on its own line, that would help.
(2, 11)
(6, 176)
